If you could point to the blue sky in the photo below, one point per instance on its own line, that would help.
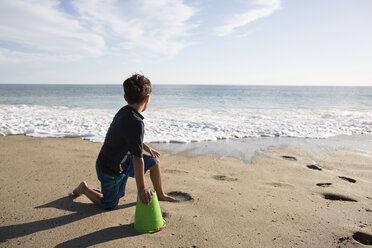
(259, 42)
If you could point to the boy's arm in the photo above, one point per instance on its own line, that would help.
(152, 152)
(143, 193)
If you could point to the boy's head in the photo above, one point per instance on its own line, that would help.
(137, 88)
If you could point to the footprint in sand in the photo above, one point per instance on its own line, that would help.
(225, 178)
(280, 185)
(175, 171)
(314, 167)
(364, 238)
(323, 184)
(336, 197)
(181, 196)
(289, 158)
(351, 180)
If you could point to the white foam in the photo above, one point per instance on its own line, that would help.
(185, 125)
(42, 121)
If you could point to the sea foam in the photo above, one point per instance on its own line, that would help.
(183, 125)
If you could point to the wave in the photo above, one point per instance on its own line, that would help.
(184, 125)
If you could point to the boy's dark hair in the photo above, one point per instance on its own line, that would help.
(136, 88)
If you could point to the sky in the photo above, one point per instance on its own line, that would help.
(231, 42)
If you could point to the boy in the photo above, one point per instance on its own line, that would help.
(122, 152)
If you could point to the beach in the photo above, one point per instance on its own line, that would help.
(285, 197)
(260, 112)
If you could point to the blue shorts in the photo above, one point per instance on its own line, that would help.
(113, 187)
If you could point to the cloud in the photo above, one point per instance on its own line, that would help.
(267, 7)
(38, 29)
(41, 26)
(156, 27)
(68, 30)
(8, 56)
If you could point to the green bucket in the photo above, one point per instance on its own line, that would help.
(148, 218)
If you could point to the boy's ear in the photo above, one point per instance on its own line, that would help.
(147, 99)
(125, 97)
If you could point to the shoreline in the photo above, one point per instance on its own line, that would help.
(274, 201)
(245, 148)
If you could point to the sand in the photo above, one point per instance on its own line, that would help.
(271, 202)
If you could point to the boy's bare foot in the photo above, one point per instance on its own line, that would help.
(168, 198)
(79, 189)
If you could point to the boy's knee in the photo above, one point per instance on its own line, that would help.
(155, 166)
(110, 205)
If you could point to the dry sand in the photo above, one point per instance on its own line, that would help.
(272, 202)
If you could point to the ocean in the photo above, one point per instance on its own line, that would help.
(190, 113)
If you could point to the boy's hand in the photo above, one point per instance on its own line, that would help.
(154, 153)
(145, 196)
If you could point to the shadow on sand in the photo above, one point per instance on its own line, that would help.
(101, 236)
(80, 211)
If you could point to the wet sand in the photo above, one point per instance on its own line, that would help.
(285, 197)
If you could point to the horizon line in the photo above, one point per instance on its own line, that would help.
(203, 84)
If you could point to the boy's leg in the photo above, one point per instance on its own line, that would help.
(112, 187)
(93, 195)
(155, 175)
